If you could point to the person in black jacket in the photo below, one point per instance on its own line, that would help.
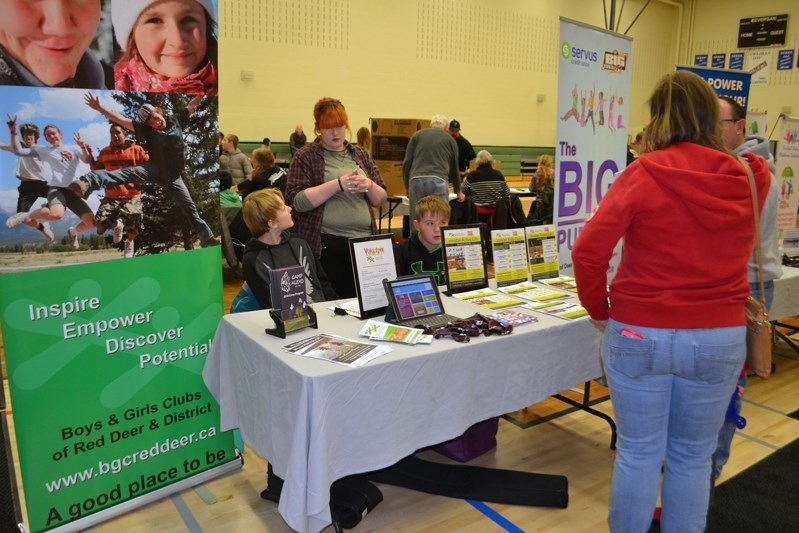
(465, 148)
(265, 173)
(421, 252)
(268, 217)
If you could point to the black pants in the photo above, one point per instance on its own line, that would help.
(338, 265)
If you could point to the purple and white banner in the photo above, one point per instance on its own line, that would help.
(593, 121)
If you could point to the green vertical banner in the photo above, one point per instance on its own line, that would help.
(109, 164)
(105, 373)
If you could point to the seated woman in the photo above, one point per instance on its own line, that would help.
(543, 186)
(486, 186)
(265, 173)
(268, 217)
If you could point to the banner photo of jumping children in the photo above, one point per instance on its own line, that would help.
(109, 174)
(110, 264)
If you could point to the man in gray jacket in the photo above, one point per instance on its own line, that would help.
(734, 136)
(431, 160)
(234, 160)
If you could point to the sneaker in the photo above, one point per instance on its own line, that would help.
(128, 249)
(118, 229)
(48, 233)
(73, 238)
(80, 187)
(15, 220)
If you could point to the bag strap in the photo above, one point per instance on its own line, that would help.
(758, 245)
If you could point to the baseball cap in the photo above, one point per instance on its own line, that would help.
(454, 125)
(145, 111)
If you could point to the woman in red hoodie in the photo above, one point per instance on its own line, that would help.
(673, 316)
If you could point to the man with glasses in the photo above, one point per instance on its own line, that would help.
(733, 134)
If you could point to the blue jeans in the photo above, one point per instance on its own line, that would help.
(722, 453)
(669, 391)
(149, 173)
(421, 186)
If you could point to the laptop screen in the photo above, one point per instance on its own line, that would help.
(414, 297)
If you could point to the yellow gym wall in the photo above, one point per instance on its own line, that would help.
(716, 31)
(484, 62)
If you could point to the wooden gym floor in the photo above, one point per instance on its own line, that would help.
(571, 443)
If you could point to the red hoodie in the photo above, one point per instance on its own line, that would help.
(685, 213)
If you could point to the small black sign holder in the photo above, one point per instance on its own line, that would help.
(280, 325)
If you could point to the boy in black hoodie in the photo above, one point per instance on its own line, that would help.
(421, 252)
(268, 217)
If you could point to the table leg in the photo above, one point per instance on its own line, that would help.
(585, 405)
(783, 336)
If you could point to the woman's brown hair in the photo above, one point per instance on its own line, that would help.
(543, 177)
(683, 108)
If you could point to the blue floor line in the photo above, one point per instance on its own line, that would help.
(497, 518)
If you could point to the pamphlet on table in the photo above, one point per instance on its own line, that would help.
(488, 298)
(565, 283)
(337, 349)
(533, 292)
(559, 308)
(383, 331)
(512, 318)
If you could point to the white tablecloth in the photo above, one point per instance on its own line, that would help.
(317, 421)
(786, 295)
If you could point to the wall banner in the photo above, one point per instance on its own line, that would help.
(593, 100)
(737, 61)
(758, 63)
(110, 278)
(732, 83)
(787, 167)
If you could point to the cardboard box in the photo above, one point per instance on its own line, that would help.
(390, 138)
(398, 127)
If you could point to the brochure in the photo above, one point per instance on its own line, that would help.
(558, 308)
(488, 299)
(565, 283)
(383, 331)
(337, 349)
(531, 291)
(512, 318)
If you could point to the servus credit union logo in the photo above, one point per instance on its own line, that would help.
(615, 62)
(577, 56)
